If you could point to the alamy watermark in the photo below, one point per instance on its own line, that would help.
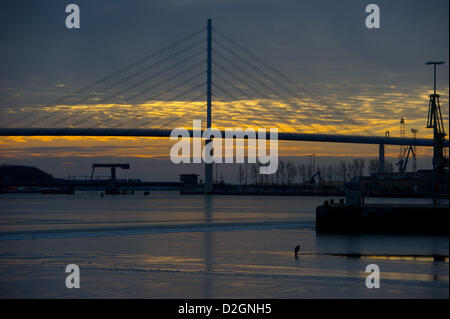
(73, 19)
(218, 149)
(373, 19)
(73, 279)
(373, 278)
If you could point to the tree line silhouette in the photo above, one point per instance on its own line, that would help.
(295, 173)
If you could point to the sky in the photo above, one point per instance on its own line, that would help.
(350, 74)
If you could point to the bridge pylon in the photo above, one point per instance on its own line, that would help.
(208, 166)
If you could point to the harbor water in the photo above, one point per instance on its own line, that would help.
(167, 245)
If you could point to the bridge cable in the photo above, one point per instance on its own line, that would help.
(171, 89)
(183, 94)
(234, 98)
(280, 117)
(88, 116)
(175, 98)
(109, 76)
(159, 83)
(290, 81)
(68, 107)
(283, 120)
(281, 86)
(257, 91)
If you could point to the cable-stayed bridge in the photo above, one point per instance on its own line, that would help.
(283, 136)
(203, 71)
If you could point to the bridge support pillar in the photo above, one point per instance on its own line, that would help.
(381, 158)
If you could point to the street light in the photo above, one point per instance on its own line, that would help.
(435, 63)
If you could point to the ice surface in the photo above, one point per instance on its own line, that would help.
(193, 246)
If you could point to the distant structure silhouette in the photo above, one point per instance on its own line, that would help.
(297, 249)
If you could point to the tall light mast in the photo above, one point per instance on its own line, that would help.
(435, 122)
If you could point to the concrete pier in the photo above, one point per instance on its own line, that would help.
(382, 218)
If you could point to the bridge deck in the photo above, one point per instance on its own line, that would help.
(332, 138)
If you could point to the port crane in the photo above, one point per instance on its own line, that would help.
(112, 167)
(403, 163)
(435, 121)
